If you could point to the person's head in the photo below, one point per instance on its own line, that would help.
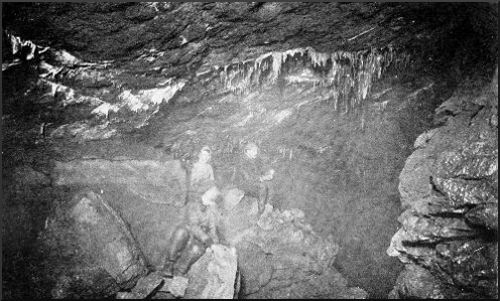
(251, 150)
(205, 155)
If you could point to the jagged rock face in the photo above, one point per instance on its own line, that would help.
(281, 256)
(213, 276)
(148, 194)
(91, 252)
(449, 189)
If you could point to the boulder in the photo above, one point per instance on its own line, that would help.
(278, 253)
(416, 281)
(147, 285)
(232, 198)
(149, 195)
(91, 250)
(152, 224)
(213, 276)
(155, 284)
(413, 179)
(176, 286)
(154, 181)
(255, 267)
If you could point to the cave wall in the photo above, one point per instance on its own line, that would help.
(448, 238)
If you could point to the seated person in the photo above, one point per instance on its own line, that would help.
(202, 174)
(253, 175)
(196, 235)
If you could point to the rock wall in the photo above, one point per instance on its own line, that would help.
(449, 190)
(150, 196)
(90, 252)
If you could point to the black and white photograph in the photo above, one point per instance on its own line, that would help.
(249, 150)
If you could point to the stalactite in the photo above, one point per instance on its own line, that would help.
(347, 72)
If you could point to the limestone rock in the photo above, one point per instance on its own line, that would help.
(81, 131)
(422, 229)
(154, 181)
(93, 253)
(469, 264)
(26, 176)
(213, 276)
(449, 188)
(146, 285)
(155, 285)
(460, 192)
(232, 198)
(416, 281)
(475, 160)
(485, 215)
(280, 256)
(255, 266)
(148, 194)
(152, 224)
(413, 180)
(239, 222)
(127, 295)
(176, 286)
(424, 138)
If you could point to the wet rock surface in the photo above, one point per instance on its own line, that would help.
(449, 188)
